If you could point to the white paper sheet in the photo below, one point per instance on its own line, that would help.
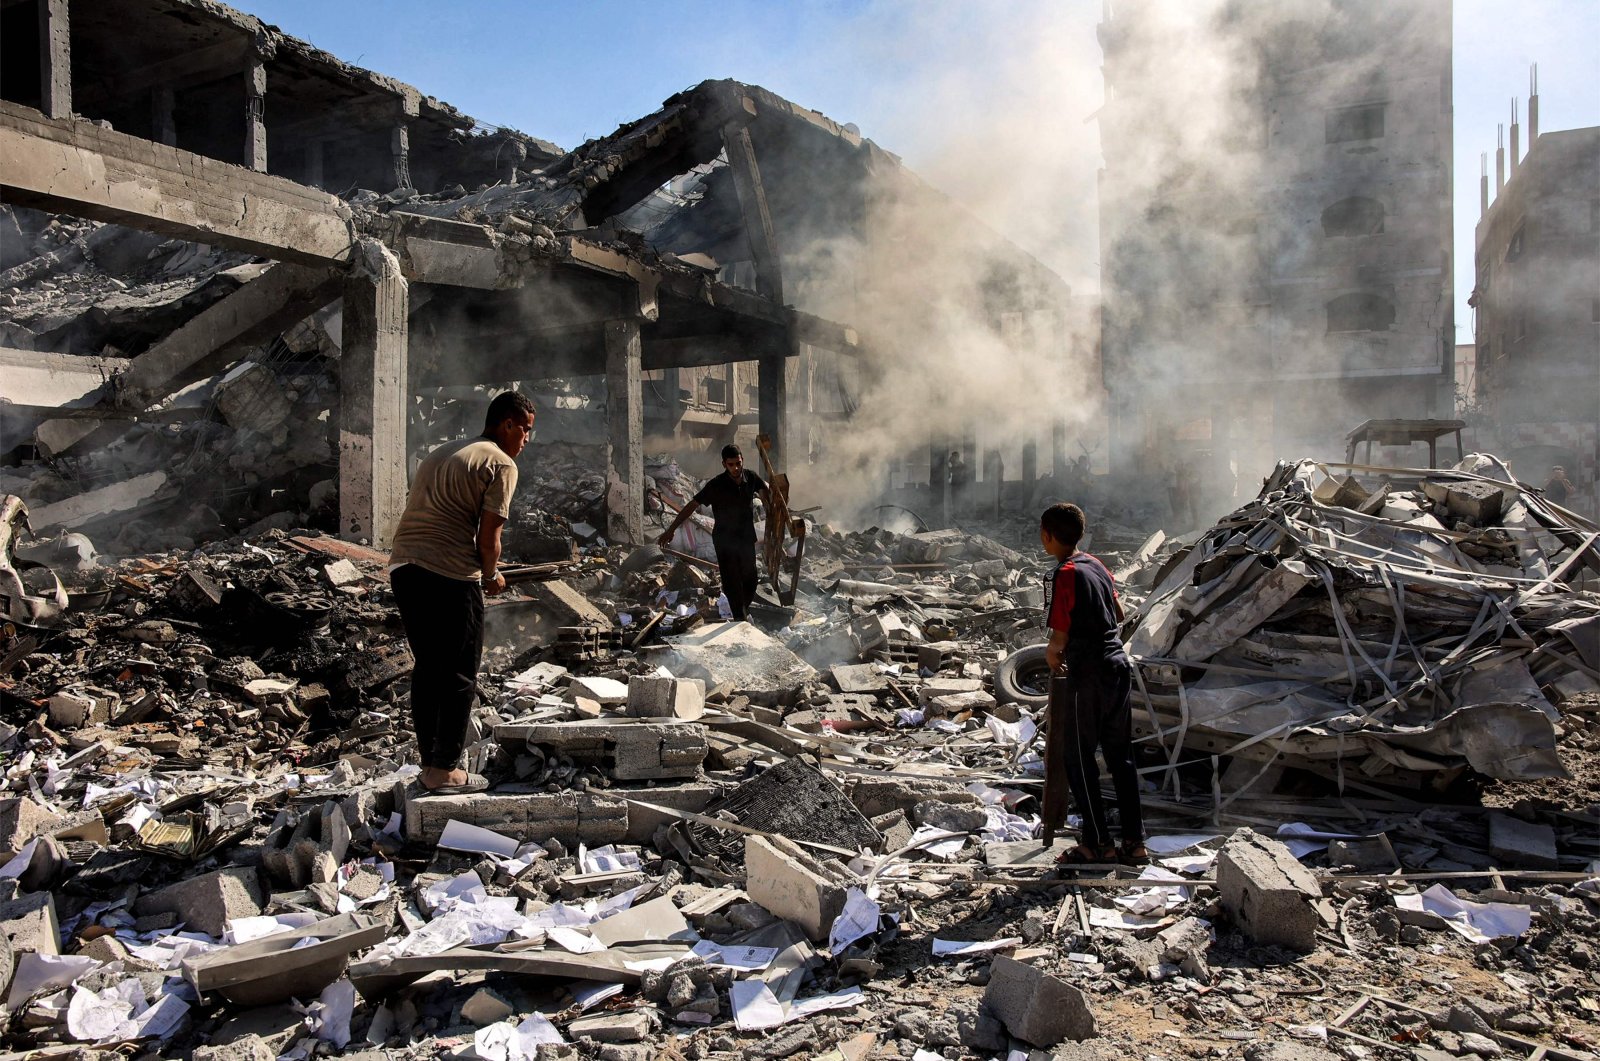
(572, 940)
(1176, 842)
(858, 918)
(744, 959)
(755, 1007)
(945, 947)
(1476, 922)
(474, 839)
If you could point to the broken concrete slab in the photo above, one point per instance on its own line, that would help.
(740, 657)
(606, 691)
(1036, 1007)
(1267, 892)
(611, 1027)
(289, 964)
(631, 750)
(657, 921)
(663, 696)
(781, 877)
(559, 604)
(99, 503)
(859, 678)
(1527, 845)
(208, 902)
(29, 923)
(592, 818)
(21, 819)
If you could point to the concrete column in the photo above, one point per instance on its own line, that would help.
(55, 59)
(1058, 451)
(625, 440)
(1030, 461)
(772, 405)
(373, 396)
(255, 113)
(400, 149)
(163, 129)
(939, 480)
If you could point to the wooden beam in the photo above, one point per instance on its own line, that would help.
(55, 59)
(75, 167)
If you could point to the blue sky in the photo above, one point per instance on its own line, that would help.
(988, 99)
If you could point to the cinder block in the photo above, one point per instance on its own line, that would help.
(661, 696)
(29, 922)
(21, 819)
(208, 902)
(632, 751)
(1267, 892)
(783, 879)
(606, 691)
(693, 797)
(564, 606)
(73, 708)
(1036, 1007)
(611, 1027)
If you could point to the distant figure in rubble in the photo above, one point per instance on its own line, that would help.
(1091, 704)
(447, 556)
(733, 527)
(1558, 487)
(960, 479)
(1180, 495)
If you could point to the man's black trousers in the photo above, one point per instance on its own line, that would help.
(444, 624)
(737, 562)
(1099, 711)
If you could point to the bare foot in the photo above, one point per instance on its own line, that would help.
(433, 777)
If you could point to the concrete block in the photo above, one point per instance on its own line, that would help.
(611, 1027)
(606, 691)
(953, 817)
(859, 678)
(632, 751)
(960, 703)
(1478, 502)
(1267, 892)
(73, 708)
(935, 688)
(570, 817)
(206, 903)
(21, 819)
(660, 696)
(1036, 1007)
(1529, 845)
(563, 605)
(104, 949)
(783, 879)
(485, 1008)
(29, 922)
(693, 797)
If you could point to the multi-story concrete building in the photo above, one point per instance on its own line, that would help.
(1275, 228)
(1537, 303)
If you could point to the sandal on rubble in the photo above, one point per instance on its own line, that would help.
(473, 783)
(1088, 855)
(1133, 853)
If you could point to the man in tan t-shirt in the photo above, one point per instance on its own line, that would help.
(446, 556)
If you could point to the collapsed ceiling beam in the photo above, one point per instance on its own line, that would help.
(75, 167)
(281, 295)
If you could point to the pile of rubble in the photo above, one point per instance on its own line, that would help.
(1397, 635)
(813, 835)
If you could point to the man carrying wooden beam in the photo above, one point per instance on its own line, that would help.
(733, 528)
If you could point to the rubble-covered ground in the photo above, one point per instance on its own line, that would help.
(816, 834)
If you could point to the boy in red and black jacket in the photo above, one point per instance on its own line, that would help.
(1091, 691)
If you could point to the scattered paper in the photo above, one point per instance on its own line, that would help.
(744, 959)
(1476, 922)
(858, 918)
(945, 947)
(474, 839)
(334, 1009)
(592, 995)
(573, 940)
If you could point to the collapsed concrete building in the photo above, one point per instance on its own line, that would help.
(1536, 312)
(682, 244)
(1276, 248)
